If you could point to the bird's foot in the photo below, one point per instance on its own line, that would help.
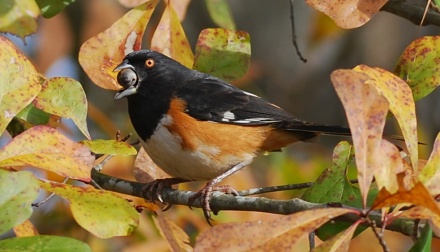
(205, 195)
(152, 191)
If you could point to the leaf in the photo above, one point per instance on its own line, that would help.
(18, 18)
(333, 186)
(169, 38)
(339, 242)
(46, 148)
(110, 147)
(430, 174)
(50, 8)
(401, 104)
(348, 14)
(19, 83)
(99, 55)
(418, 66)
(177, 239)
(417, 195)
(145, 170)
(387, 163)
(33, 115)
(366, 111)
(220, 13)
(180, 6)
(283, 232)
(65, 97)
(100, 212)
(423, 244)
(17, 192)
(25, 229)
(44, 243)
(223, 53)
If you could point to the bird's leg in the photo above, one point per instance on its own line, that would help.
(153, 189)
(205, 193)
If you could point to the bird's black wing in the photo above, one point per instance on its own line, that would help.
(212, 99)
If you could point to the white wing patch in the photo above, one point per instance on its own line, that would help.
(256, 120)
(228, 116)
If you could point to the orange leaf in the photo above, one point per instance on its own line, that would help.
(417, 195)
(401, 103)
(46, 148)
(283, 232)
(366, 112)
(100, 54)
(177, 239)
(145, 170)
(348, 13)
(170, 39)
(25, 229)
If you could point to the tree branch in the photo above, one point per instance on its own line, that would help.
(412, 11)
(221, 201)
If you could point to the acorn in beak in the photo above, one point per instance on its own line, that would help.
(127, 78)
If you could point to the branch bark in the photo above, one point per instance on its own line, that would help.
(221, 201)
(413, 11)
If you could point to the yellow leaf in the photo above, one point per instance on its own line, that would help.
(366, 112)
(100, 54)
(401, 103)
(46, 148)
(430, 174)
(19, 82)
(177, 239)
(170, 39)
(19, 18)
(25, 229)
(339, 242)
(100, 212)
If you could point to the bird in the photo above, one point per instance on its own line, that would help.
(197, 127)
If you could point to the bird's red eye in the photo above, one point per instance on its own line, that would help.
(149, 63)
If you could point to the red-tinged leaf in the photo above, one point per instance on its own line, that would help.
(401, 103)
(177, 239)
(339, 242)
(100, 212)
(387, 164)
(99, 55)
(430, 174)
(366, 112)
(25, 229)
(145, 170)
(110, 147)
(223, 53)
(64, 97)
(19, 83)
(220, 13)
(17, 192)
(417, 195)
(170, 39)
(19, 18)
(46, 148)
(418, 66)
(348, 13)
(283, 232)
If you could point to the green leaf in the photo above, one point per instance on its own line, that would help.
(65, 97)
(44, 243)
(220, 13)
(418, 66)
(423, 244)
(110, 147)
(50, 8)
(19, 84)
(223, 53)
(333, 186)
(33, 115)
(17, 192)
(100, 212)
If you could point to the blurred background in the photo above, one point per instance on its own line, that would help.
(276, 73)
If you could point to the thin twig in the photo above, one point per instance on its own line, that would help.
(38, 204)
(311, 240)
(379, 236)
(292, 23)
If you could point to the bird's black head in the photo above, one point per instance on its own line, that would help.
(146, 70)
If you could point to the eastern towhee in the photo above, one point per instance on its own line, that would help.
(198, 127)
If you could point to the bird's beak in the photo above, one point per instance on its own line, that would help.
(125, 91)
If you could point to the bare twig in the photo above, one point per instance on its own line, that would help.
(379, 236)
(292, 23)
